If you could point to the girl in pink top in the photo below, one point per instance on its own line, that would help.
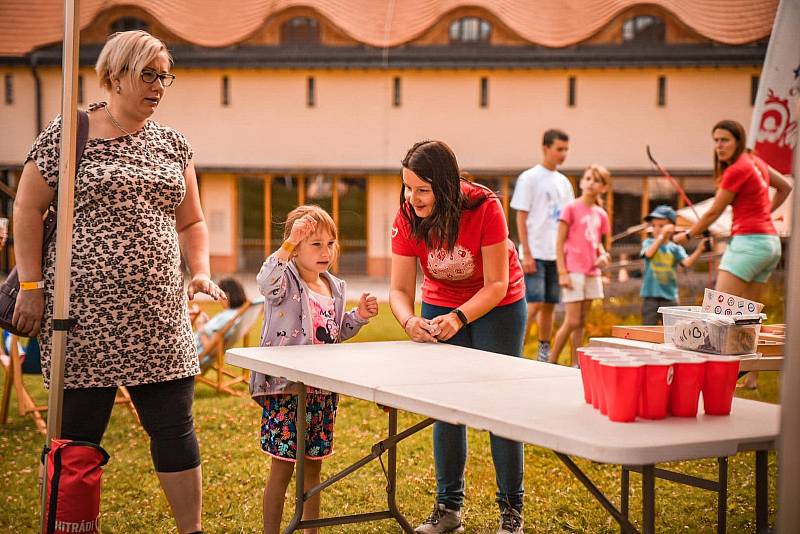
(580, 256)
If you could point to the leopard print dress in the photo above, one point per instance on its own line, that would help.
(126, 284)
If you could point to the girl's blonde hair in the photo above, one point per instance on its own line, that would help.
(324, 222)
(598, 171)
(126, 54)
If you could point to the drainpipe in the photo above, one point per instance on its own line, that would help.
(37, 83)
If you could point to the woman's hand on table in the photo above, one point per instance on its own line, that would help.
(420, 330)
(446, 326)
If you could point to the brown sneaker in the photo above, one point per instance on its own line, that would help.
(510, 521)
(441, 521)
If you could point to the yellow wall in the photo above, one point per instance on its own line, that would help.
(354, 125)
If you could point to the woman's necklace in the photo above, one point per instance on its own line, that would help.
(126, 132)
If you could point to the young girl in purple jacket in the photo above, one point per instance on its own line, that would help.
(304, 305)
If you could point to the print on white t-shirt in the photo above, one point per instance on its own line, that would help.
(543, 194)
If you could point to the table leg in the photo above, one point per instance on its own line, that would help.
(391, 476)
(624, 488)
(300, 460)
(762, 492)
(648, 499)
(722, 495)
(625, 525)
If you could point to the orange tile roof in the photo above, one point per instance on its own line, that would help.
(28, 24)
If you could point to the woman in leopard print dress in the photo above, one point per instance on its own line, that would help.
(136, 195)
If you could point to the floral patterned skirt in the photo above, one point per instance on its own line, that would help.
(279, 433)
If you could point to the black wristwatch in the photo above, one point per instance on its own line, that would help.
(461, 317)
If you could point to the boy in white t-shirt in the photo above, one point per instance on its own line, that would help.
(539, 196)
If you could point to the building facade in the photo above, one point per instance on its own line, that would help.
(319, 101)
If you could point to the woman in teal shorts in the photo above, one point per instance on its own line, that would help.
(743, 181)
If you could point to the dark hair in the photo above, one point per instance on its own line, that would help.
(435, 163)
(552, 135)
(739, 134)
(234, 291)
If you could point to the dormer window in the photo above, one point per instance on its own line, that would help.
(470, 30)
(126, 24)
(643, 29)
(300, 31)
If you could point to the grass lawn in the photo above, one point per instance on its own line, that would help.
(235, 471)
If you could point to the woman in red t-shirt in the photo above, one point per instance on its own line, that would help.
(743, 181)
(472, 291)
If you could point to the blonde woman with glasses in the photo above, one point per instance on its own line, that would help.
(136, 198)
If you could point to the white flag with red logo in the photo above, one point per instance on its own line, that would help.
(773, 130)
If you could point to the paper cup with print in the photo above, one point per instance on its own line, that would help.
(687, 382)
(622, 386)
(656, 383)
(719, 383)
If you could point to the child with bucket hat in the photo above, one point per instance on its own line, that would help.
(661, 260)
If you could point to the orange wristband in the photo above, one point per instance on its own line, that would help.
(28, 286)
(288, 246)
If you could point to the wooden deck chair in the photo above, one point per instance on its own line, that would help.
(212, 357)
(12, 366)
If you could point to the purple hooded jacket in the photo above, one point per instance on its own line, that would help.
(287, 319)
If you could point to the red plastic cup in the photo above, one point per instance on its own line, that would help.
(687, 382)
(591, 370)
(622, 386)
(586, 369)
(584, 359)
(598, 392)
(719, 384)
(656, 382)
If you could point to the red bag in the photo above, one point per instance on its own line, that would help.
(74, 473)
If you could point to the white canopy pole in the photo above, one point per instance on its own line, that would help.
(789, 443)
(66, 188)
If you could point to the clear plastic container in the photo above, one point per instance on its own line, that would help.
(689, 327)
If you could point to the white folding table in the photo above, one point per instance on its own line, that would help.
(524, 400)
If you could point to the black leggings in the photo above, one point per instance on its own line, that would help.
(165, 409)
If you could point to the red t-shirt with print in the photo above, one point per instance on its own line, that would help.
(453, 277)
(751, 205)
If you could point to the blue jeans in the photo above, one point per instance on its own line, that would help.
(543, 286)
(502, 330)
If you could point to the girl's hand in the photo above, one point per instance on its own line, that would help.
(302, 228)
(603, 260)
(681, 238)
(419, 330)
(367, 306)
(201, 283)
(668, 231)
(446, 326)
(565, 281)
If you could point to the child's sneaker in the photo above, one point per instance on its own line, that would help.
(510, 521)
(544, 351)
(441, 521)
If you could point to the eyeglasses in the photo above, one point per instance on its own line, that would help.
(150, 76)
